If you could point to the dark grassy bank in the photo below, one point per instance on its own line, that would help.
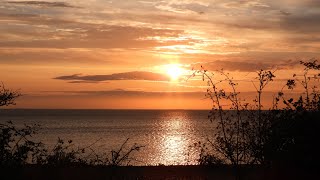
(157, 172)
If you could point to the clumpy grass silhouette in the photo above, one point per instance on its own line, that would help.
(65, 154)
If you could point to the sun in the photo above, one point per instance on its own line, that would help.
(174, 71)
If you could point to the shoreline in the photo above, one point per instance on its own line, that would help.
(157, 172)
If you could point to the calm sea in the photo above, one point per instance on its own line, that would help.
(166, 134)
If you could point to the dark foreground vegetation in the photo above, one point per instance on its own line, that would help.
(250, 142)
(156, 173)
(284, 135)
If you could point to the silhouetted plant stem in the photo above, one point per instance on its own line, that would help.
(215, 100)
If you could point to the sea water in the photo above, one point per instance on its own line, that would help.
(168, 136)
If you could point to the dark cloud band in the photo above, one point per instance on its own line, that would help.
(43, 3)
(246, 66)
(135, 75)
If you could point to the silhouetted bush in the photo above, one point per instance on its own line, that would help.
(207, 157)
(7, 96)
(296, 126)
(16, 148)
(63, 155)
(246, 133)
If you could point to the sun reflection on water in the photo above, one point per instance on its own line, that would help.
(175, 140)
(173, 149)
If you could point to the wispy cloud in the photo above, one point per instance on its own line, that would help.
(183, 6)
(257, 4)
(37, 32)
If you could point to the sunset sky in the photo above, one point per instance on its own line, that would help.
(133, 54)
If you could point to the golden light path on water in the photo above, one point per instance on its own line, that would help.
(175, 144)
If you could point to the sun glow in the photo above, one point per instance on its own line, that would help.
(174, 71)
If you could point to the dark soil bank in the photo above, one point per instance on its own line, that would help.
(155, 172)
